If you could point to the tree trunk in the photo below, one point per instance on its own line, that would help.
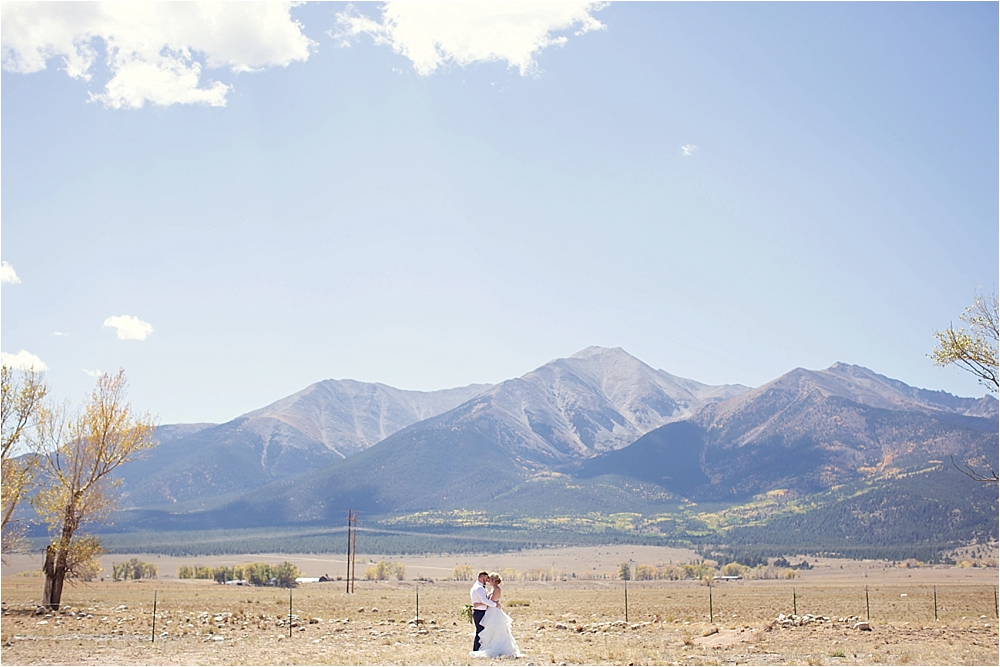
(53, 588)
(55, 575)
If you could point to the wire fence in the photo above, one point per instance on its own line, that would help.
(179, 609)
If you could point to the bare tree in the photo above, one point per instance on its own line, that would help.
(23, 404)
(979, 476)
(974, 351)
(78, 462)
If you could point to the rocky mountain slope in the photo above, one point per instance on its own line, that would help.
(807, 431)
(597, 400)
(348, 416)
(821, 428)
(310, 429)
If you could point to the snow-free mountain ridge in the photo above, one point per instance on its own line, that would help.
(347, 416)
(596, 400)
(312, 428)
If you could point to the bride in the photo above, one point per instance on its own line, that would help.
(496, 639)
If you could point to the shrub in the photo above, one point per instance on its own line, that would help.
(383, 570)
(734, 570)
(255, 574)
(698, 571)
(133, 569)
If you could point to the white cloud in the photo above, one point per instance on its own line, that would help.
(155, 50)
(432, 33)
(22, 359)
(129, 328)
(96, 373)
(7, 274)
(688, 149)
(59, 333)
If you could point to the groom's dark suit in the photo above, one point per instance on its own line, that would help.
(477, 617)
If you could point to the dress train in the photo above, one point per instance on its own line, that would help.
(496, 640)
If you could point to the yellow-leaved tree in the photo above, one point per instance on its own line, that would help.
(23, 393)
(974, 350)
(78, 456)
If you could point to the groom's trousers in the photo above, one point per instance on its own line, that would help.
(477, 617)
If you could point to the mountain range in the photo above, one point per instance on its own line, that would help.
(324, 423)
(599, 431)
(594, 401)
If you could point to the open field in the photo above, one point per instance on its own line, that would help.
(582, 560)
(588, 561)
(572, 622)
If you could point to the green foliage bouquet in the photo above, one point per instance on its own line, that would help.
(465, 612)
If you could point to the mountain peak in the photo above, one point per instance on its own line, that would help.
(853, 370)
(597, 399)
(598, 351)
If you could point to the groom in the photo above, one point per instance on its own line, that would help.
(480, 601)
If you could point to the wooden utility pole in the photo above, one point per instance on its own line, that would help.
(352, 531)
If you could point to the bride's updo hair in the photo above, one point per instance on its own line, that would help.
(496, 578)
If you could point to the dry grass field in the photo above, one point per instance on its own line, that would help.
(582, 560)
(572, 622)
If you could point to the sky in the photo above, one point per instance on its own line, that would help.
(232, 201)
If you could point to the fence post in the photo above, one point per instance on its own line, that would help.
(711, 608)
(626, 600)
(868, 608)
(418, 606)
(996, 602)
(935, 604)
(289, 612)
(153, 639)
(795, 603)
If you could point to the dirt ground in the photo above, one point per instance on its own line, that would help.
(572, 622)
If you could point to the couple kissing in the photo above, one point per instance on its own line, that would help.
(494, 638)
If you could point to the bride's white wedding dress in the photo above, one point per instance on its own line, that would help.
(496, 640)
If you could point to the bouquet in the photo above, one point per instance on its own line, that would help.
(465, 612)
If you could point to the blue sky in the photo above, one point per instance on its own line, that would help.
(433, 195)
